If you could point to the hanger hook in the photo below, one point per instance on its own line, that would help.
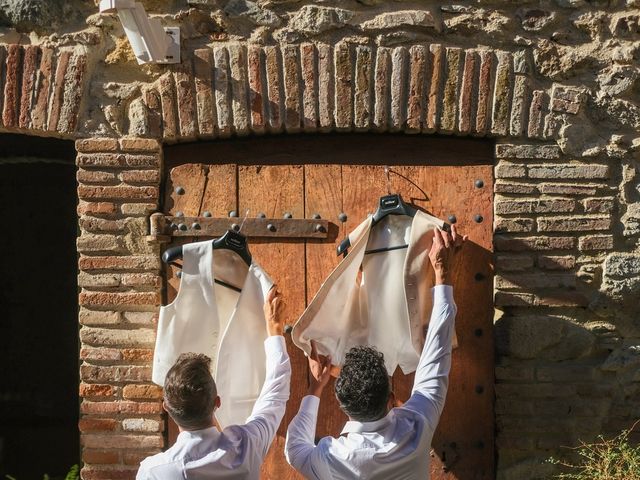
(386, 172)
(246, 214)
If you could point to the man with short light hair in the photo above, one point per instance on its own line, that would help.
(191, 399)
(379, 441)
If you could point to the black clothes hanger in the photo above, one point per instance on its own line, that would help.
(231, 240)
(388, 205)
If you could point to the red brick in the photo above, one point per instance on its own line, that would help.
(466, 92)
(134, 458)
(417, 73)
(569, 171)
(93, 224)
(595, 242)
(134, 144)
(290, 66)
(538, 102)
(12, 86)
(502, 93)
(96, 208)
(513, 225)
(239, 104)
(166, 88)
(93, 473)
(598, 205)
(484, 92)
(362, 113)
(40, 105)
(513, 262)
(151, 98)
(122, 441)
(104, 457)
(57, 95)
(504, 243)
(274, 87)
(343, 85)
(137, 354)
(89, 424)
(141, 176)
(120, 373)
(568, 189)
(573, 224)
(91, 145)
(186, 101)
(118, 192)
(511, 206)
(556, 262)
(141, 280)
(434, 102)
(29, 67)
(142, 392)
(256, 83)
(74, 79)
(100, 354)
(131, 263)
(309, 86)
(119, 298)
(95, 176)
(203, 68)
(99, 317)
(118, 160)
(96, 390)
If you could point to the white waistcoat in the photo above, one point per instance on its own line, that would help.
(382, 299)
(226, 325)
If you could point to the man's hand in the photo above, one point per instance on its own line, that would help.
(442, 251)
(273, 312)
(320, 367)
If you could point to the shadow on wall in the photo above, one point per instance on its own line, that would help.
(567, 355)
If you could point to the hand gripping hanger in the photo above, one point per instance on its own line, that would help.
(390, 204)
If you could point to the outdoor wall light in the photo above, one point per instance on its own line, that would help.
(150, 41)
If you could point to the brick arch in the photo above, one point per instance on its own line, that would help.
(41, 89)
(240, 89)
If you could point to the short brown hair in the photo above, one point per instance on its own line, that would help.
(190, 391)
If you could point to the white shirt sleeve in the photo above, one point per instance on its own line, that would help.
(299, 446)
(269, 409)
(432, 375)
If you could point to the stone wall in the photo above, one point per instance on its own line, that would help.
(554, 83)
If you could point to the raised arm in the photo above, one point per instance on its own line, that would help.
(432, 375)
(299, 447)
(270, 407)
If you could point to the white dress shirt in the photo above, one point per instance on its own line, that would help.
(239, 450)
(396, 446)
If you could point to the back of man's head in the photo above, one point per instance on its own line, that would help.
(362, 388)
(190, 391)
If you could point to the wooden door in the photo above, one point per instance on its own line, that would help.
(340, 178)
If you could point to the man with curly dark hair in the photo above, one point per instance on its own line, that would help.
(380, 441)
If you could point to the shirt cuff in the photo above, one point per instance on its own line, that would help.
(310, 404)
(442, 294)
(275, 343)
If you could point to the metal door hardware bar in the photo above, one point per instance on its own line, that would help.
(166, 226)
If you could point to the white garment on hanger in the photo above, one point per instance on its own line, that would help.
(380, 299)
(215, 320)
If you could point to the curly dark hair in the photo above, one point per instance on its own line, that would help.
(190, 391)
(362, 389)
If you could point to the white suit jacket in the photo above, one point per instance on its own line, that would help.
(382, 299)
(224, 324)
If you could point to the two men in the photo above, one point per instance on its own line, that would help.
(379, 441)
